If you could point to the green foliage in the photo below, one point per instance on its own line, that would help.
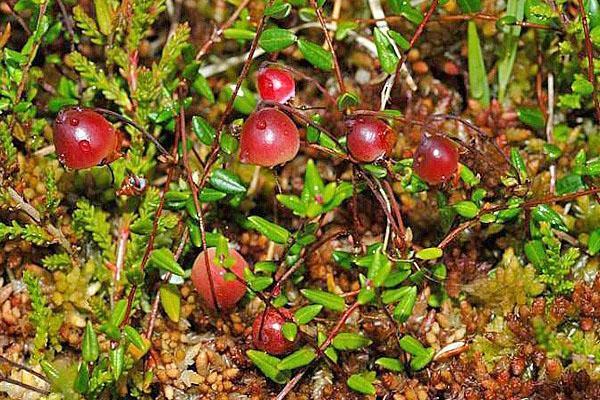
(554, 265)
(59, 261)
(478, 83)
(96, 78)
(92, 220)
(88, 25)
(510, 284)
(45, 321)
(30, 232)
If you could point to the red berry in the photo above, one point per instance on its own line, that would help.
(436, 159)
(268, 138)
(83, 138)
(275, 84)
(270, 338)
(227, 293)
(370, 139)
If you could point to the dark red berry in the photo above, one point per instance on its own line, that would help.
(268, 138)
(227, 293)
(275, 84)
(436, 159)
(83, 138)
(270, 338)
(370, 139)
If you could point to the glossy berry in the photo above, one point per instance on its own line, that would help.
(436, 159)
(370, 139)
(83, 138)
(271, 338)
(275, 84)
(268, 138)
(227, 293)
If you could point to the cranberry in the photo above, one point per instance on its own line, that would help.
(268, 138)
(436, 159)
(227, 293)
(275, 84)
(83, 138)
(370, 139)
(270, 338)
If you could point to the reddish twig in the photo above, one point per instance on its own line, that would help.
(589, 50)
(527, 205)
(336, 64)
(214, 37)
(195, 191)
(416, 36)
(152, 237)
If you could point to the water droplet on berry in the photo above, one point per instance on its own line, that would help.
(261, 124)
(84, 146)
(74, 121)
(61, 158)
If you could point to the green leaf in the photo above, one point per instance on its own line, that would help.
(412, 346)
(343, 28)
(420, 361)
(350, 341)
(226, 181)
(544, 213)
(81, 384)
(430, 253)
(289, 330)
(297, 359)
(515, 9)
(361, 383)
(306, 314)
(569, 184)
(292, 202)
(478, 83)
(134, 337)
(594, 242)
(328, 300)
(274, 232)
(535, 252)
(203, 130)
(104, 16)
(392, 364)
(582, 86)
(316, 55)
(278, 10)
(466, 209)
(469, 6)
(268, 365)
(347, 100)
(385, 52)
(89, 346)
(238, 34)
(405, 306)
(164, 258)
(399, 39)
(202, 87)
(170, 299)
(329, 351)
(380, 269)
(531, 116)
(117, 361)
(118, 314)
(393, 295)
(276, 39)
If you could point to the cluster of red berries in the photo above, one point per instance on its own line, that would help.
(267, 330)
